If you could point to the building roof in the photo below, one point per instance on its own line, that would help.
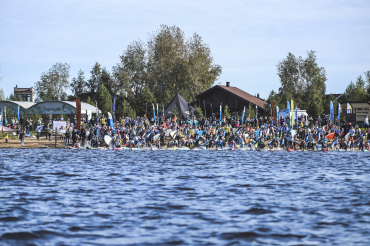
(239, 93)
(22, 104)
(23, 89)
(84, 106)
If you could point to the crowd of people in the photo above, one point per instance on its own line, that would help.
(258, 133)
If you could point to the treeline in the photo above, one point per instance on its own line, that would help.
(304, 81)
(147, 72)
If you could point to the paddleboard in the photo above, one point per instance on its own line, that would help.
(346, 137)
(173, 134)
(330, 136)
(341, 150)
(107, 139)
(157, 137)
(111, 121)
(290, 150)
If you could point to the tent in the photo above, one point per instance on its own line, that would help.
(182, 106)
(6, 129)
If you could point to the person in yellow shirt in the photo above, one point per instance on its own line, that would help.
(103, 121)
(6, 138)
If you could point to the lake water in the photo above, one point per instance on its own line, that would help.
(103, 197)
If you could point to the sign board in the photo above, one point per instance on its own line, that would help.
(89, 114)
(59, 124)
(52, 108)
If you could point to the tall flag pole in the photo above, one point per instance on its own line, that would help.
(296, 116)
(292, 110)
(96, 109)
(19, 120)
(256, 112)
(220, 111)
(243, 117)
(6, 121)
(153, 112)
(273, 111)
(277, 115)
(205, 113)
(331, 116)
(339, 109)
(157, 114)
(78, 114)
(114, 107)
(270, 110)
(288, 109)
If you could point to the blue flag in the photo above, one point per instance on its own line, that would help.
(288, 109)
(339, 112)
(157, 113)
(153, 112)
(18, 115)
(296, 116)
(243, 117)
(331, 117)
(114, 106)
(220, 112)
(277, 115)
(6, 121)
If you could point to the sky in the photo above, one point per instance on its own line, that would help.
(247, 38)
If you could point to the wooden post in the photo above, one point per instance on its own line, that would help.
(56, 133)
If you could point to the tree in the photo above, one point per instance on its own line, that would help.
(198, 111)
(2, 95)
(250, 111)
(226, 111)
(79, 84)
(148, 99)
(53, 83)
(95, 80)
(367, 77)
(126, 110)
(166, 64)
(104, 100)
(300, 78)
(329, 98)
(175, 111)
(355, 92)
(89, 101)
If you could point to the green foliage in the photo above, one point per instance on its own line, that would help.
(226, 112)
(79, 84)
(2, 95)
(355, 92)
(126, 110)
(36, 116)
(104, 100)
(167, 64)
(89, 101)
(148, 99)
(300, 80)
(53, 83)
(175, 112)
(95, 80)
(198, 111)
(250, 111)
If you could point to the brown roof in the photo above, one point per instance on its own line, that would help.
(259, 102)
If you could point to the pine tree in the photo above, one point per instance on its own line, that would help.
(105, 100)
(2, 95)
(126, 110)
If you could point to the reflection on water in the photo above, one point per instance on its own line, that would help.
(183, 197)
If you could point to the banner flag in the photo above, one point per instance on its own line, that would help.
(114, 106)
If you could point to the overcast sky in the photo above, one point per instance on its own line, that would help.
(247, 38)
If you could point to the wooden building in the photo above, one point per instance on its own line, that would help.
(355, 112)
(235, 98)
(25, 93)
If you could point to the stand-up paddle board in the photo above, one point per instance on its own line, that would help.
(107, 139)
